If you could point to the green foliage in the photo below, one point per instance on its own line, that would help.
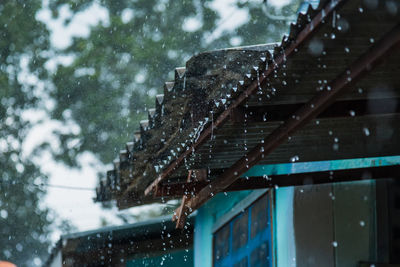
(122, 64)
(24, 224)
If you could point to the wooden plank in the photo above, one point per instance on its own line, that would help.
(259, 182)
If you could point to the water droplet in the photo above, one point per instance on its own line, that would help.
(352, 113)
(361, 9)
(366, 131)
(362, 223)
(347, 50)
(333, 36)
(335, 244)
(371, 40)
(335, 147)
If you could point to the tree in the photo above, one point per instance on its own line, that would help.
(119, 68)
(24, 224)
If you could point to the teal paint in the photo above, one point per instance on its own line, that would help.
(206, 217)
(284, 230)
(171, 259)
(317, 166)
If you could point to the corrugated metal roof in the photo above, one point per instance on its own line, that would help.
(212, 81)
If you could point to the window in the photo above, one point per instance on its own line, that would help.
(246, 240)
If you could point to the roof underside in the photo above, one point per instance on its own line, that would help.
(362, 122)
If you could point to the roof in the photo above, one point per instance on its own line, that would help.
(135, 236)
(231, 109)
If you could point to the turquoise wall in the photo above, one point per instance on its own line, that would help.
(171, 259)
(284, 230)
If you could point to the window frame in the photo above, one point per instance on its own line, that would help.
(239, 209)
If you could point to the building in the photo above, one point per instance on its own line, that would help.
(289, 152)
(152, 243)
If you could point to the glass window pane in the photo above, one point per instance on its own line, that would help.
(240, 229)
(260, 256)
(259, 216)
(242, 263)
(222, 242)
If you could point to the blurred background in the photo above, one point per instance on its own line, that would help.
(76, 77)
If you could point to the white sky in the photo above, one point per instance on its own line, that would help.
(77, 205)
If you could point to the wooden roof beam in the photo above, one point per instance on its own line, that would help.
(282, 180)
